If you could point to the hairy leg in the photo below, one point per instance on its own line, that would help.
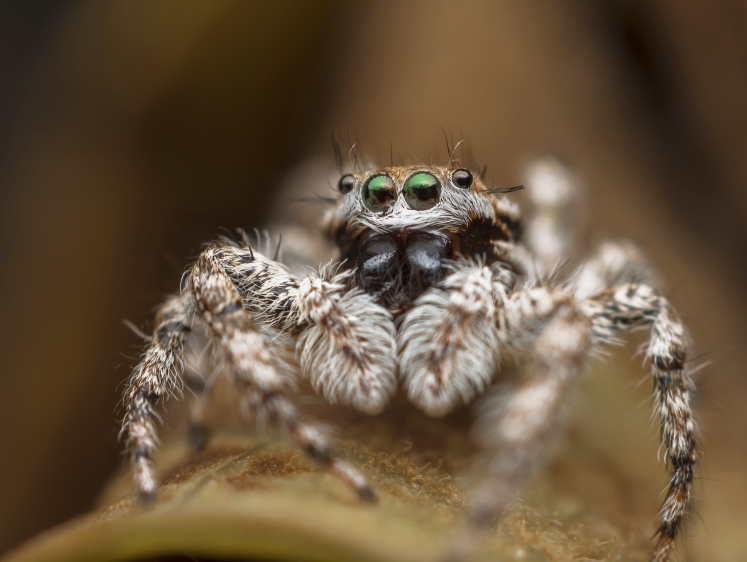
(156, 376)
(223, 277)
(448, 342)
(515, 428)
(198, 432)
(550, 233)
(613, 263)
(618, 310)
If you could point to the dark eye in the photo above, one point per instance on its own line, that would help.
(462, 178)
(379, 192)
(422, 191)
(346, 183)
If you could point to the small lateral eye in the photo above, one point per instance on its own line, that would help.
(422, 191)
(346, 184)
(379, 192)
(462, 178)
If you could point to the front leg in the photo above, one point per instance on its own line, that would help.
(157, 376)
(345, 340)
(224, 278)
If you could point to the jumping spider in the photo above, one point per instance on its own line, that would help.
(436, 281)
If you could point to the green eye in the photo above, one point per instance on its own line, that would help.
(379, 192)
(422, 191)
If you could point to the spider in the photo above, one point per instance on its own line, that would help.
(436, 282)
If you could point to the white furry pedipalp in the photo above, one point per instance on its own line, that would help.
(448, 346)
(349, 351)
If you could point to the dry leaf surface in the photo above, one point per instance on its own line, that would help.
(251, 497)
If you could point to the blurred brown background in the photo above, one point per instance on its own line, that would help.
(131, 131)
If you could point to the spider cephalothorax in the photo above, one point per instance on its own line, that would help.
(432, 288)
(399, 225)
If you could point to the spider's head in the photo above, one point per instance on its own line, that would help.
(397, 225)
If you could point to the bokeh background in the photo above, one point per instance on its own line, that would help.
(130, 132)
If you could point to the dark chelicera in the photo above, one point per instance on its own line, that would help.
(396, 270)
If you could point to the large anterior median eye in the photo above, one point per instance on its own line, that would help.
(379, 192)
(422, 191)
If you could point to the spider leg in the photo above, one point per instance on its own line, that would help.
(618, 310)
(613, 263)
(198, 432)
(222, 273)
(549, 234)
(518, 426)
(156, 376)
(448, 342)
